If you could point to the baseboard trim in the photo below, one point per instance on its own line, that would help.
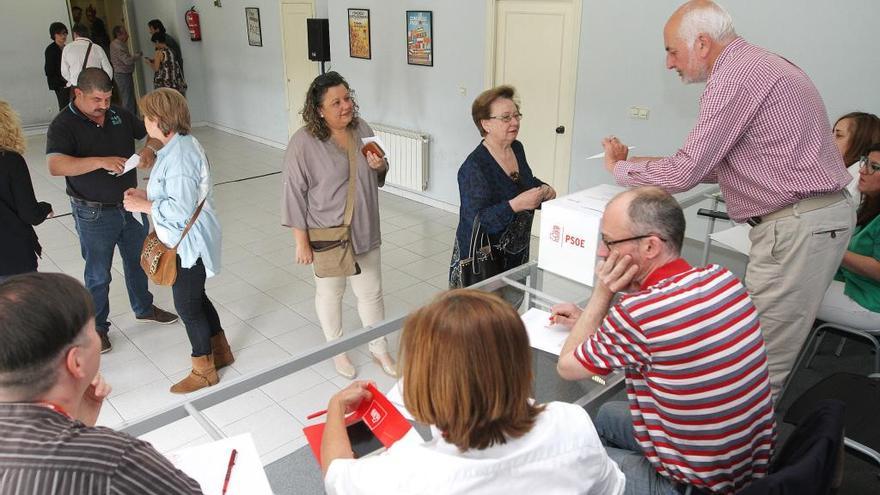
(230, 130)
(426, 200)
(35, 129)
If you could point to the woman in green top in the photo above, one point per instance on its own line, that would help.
(853, 299)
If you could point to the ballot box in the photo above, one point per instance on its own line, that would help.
(570, 232)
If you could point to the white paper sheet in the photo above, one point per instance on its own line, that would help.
(542, 334)
(602, 154)
(395, 396)
(130, 164)
(736, 238)
(207, 464)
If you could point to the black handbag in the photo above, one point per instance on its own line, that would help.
(485, 261)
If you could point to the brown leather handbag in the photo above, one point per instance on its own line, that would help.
(159, 261)
(332, 249)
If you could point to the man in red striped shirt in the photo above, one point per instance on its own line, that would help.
(699, 406)
(763, 135)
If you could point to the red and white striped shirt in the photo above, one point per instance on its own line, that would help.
(696, 375)
(762, 134)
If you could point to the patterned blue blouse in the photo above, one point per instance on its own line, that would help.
(485, 188)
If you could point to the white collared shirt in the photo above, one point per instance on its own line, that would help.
(562, 454)
(72, 59)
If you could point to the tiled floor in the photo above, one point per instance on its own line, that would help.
(265, 300)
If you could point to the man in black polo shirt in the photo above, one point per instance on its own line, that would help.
(88, 142)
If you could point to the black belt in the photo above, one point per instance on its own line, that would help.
(94, 204)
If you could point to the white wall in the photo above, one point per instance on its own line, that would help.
(23, 40)
(414, 97)
(622, 63)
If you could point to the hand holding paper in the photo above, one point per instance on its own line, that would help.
(128, 166)
(602, 154)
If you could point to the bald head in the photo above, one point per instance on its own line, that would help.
(651, 210)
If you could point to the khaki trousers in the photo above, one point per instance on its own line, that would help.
(791, 263)
(367, 288)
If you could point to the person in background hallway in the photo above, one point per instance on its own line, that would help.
(51, 394)
(52, 67)
(168, 73)
(853, 298)
(74, 53)
(156, 26)
(854, 133)
(88, 143)
(467, 372)
(97, 30)
(316, 172)
(76, 13)
(496, 183)
(19, 209)
(179, 183)
(123, 67)
(763, 136)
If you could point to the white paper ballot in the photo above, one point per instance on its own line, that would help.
(207, 464)
(377, 140)
(130, 164)
(542, 334)
(736, 238)
(395, 396)
(602, 154)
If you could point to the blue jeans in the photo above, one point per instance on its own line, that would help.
(195, 309)
(100, 230)
(614, 425)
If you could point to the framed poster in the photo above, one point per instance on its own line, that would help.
(254, 33)
(419, 37)
(359, 33)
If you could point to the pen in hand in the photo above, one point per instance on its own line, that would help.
(229, 470)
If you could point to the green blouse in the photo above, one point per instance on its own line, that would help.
(859, 288)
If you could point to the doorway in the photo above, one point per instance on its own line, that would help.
(100, 17)
(299, 71)
(533, 46)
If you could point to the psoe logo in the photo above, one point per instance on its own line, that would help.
(555, 233)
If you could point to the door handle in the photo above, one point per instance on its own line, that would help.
(560, 129)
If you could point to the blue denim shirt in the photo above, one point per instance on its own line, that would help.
(180, 179)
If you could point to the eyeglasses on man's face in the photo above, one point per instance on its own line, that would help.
(507, 117)
(868, 165)
(608, 243)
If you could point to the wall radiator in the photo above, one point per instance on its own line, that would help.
(407, 153)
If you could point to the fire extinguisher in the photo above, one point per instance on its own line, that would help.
(192, 23)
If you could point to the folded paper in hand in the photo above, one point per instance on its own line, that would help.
(130, 164)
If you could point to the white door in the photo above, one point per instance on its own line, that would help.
(534, 48)
(299, 71)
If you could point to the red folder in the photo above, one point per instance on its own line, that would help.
(379, 415)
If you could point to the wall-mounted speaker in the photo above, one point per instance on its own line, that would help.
(319, 39)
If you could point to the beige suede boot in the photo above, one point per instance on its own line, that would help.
(222, 352)
(203, 374)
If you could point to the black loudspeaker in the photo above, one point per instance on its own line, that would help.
(319, 39)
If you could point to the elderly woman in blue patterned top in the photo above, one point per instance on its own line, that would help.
(496, 182)
(180, 180)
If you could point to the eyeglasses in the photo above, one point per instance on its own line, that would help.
(869, 166)
(506, 118)
(608, 243)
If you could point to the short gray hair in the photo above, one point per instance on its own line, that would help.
(654, 211)
(708, 18)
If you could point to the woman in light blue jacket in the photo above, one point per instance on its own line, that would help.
(179, 182)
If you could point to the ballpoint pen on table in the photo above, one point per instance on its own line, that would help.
(229, 470)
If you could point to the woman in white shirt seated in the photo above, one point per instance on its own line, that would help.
(467, 372)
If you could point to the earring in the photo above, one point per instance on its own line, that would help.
(322, 115)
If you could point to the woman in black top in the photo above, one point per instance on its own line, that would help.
(19, 209)
(52, 68)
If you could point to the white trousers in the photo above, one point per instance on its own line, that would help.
(837, 307)
(367, 288)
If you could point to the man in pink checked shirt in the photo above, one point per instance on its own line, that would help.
(763, 135)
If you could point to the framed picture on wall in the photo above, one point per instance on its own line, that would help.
(359, 33)
(419, 37)
(254, 32)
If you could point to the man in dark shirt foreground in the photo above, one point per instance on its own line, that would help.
(50, 397)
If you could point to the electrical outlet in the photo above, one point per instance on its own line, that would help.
(462, 91)
(638, 113)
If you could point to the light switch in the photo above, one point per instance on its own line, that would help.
(462, 91)
(639, 113)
